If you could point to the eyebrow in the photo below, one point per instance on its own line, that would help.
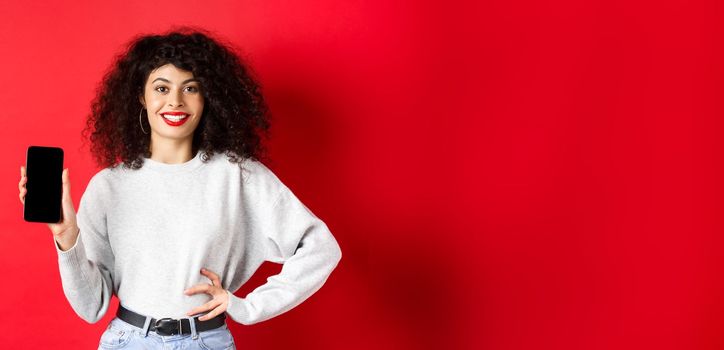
(183, 82)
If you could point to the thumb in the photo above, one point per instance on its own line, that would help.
(66, 200)
(66, 184)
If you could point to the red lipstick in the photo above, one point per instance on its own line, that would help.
(173, 122)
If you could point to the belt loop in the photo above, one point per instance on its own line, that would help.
(192, 322)
(146, 326)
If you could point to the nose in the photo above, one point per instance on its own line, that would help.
(175, 99)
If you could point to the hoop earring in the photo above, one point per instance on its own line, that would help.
(140, 122)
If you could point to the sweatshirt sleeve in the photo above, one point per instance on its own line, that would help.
(295, 237)
(85, 267)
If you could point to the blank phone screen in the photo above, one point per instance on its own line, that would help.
(44, 170)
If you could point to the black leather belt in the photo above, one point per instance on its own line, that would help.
(169, 326)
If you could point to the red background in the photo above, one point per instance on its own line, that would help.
(499, 175)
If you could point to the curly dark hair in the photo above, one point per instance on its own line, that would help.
(235, 116)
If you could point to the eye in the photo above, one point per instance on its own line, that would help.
(159, 89)
(192, 89)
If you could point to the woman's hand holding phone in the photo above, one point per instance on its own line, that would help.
(66, 231)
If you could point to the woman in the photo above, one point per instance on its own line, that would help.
(189, 213)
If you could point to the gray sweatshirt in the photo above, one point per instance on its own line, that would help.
(145, 234)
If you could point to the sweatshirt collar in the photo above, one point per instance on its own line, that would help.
(190, 165)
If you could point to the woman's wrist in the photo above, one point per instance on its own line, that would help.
(67, 238)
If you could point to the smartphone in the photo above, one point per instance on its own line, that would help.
(44, 170)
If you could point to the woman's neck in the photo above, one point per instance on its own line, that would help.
(172, 152)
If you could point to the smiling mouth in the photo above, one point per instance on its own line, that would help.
(175, 118)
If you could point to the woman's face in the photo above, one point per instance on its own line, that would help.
(174, 103)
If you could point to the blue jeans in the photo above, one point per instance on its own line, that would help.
(122, 335)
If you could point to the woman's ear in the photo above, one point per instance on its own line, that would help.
(142, 100)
